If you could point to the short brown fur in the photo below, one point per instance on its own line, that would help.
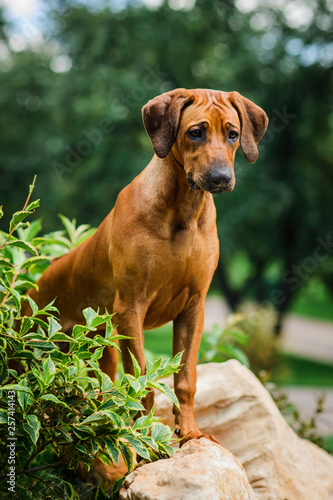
(152, 259)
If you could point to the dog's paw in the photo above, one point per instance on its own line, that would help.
(194, 435)
(210, 437)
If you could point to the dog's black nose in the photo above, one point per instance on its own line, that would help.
(221, 176)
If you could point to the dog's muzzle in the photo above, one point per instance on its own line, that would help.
(221, 178)
(218, 180)
(192, 184)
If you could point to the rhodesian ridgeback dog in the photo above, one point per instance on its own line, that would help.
(152, 259)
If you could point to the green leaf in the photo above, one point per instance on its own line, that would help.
(152, 371)
(24, 399)
(26, 324)
(30, 232)
(17, 298)
(33, 205)
(42, 346)
(238, 354)
(94, 447)
(33, 261)
(105, 457)
(241, 337)
(27, 443)
(159, 432)
(78, 331)
(133, 383)
(25, 283)
(70, 492)
(22, 244)
(5, 263)
(97, 354)
(62, 337)
(84, 432)
(117, 485)
(99, 320)
(89, 315)
(114, 417)
(166, 390)
(127, 455)
(65, 435)
(70, 226)
(82, 448)
(107, 382)
(38, 241)
(54, 399)
(49, 370)
(136, 366)
(24, 354)
(38, 378)
(112, 450)
(32, 427)
(134, 405)
(3, 417)
(96, 417)
(101, 495)
(166, 449)
(35, 336)
(32, 304)
(149, 441)
(145, 421)
(3, 356)
(16, 387)
(17, 218)
(177, 359)
(4, 373)
(138, 446)
(54, 326)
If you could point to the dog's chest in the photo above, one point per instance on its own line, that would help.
(183, 269)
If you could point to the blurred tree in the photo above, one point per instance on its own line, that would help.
(70, 112)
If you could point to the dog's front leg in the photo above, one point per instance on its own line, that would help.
(187, 332)
(130, 323)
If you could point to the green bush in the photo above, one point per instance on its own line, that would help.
(52, 410)
(223, 344)
(248, 337)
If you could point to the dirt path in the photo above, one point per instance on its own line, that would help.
(304, 336)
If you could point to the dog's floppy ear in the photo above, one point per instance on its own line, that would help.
(253, 121)
(161, 118)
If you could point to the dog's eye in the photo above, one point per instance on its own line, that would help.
(233, 134)
(196, 132)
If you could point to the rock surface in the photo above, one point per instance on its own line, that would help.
(232, 404)
(200, 470)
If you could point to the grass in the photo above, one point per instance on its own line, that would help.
(329, 443)
(314, 301)
(298, 371)
(159, 341)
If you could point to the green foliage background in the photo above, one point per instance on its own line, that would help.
(122, 54)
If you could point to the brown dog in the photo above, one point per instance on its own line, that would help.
(152, 259)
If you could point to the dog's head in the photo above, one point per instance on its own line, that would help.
(202, 129)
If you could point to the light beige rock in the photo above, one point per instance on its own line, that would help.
(232, 404)
(200, 470)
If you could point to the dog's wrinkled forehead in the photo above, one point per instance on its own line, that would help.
(210, 103)
(162, 117)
